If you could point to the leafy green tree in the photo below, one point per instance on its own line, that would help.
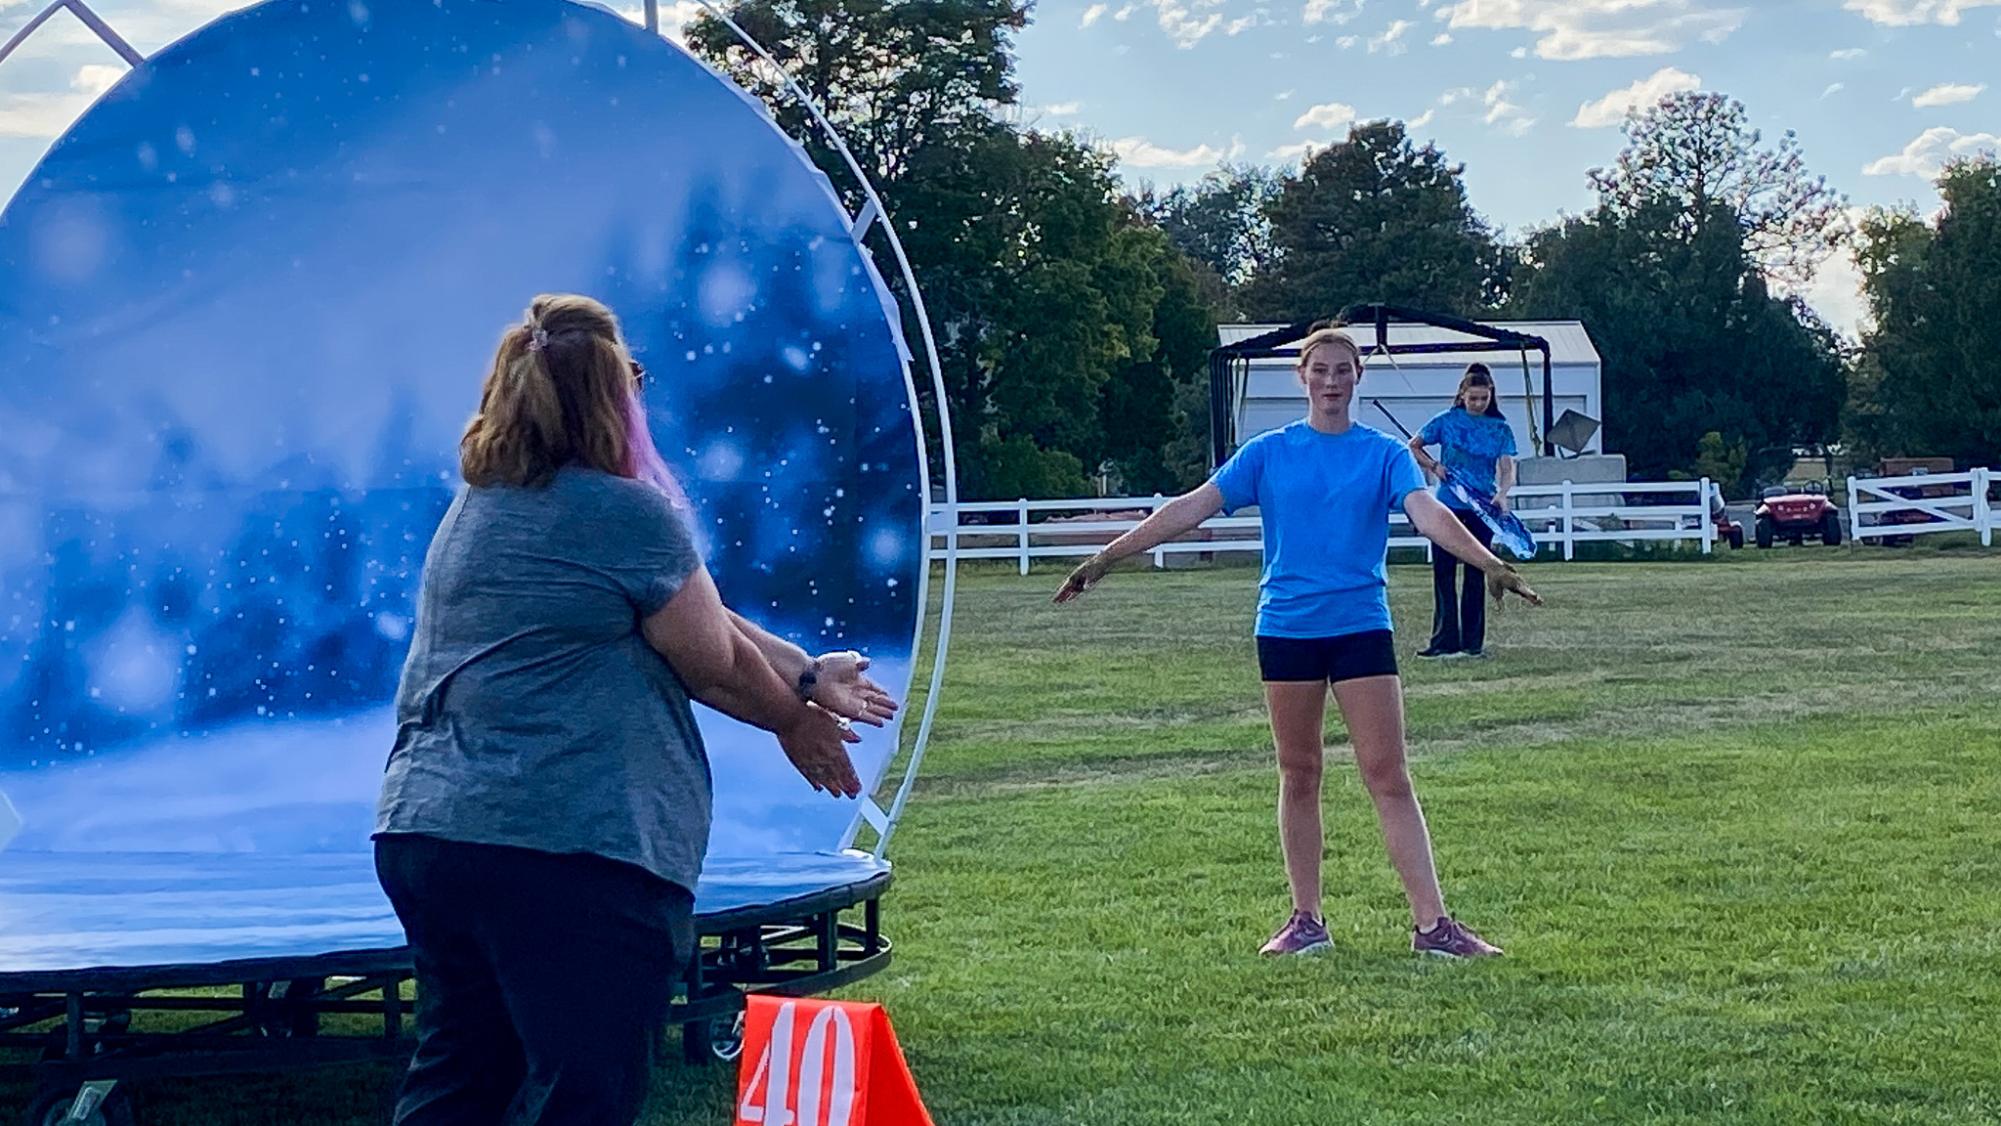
(1928, 378)
(1374, 218)
(1698, 153)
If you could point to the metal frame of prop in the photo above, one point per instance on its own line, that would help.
(81, 1025)
(873, 217)
(1230, 365)
(87, 1031)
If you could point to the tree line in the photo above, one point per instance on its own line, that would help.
(1074, 316)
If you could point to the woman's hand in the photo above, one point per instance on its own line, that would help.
(1501, 502)
(816, 744)
(844, 691)
(1506, 580)
(1083, 578)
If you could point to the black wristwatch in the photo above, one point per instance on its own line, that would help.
(807, 680)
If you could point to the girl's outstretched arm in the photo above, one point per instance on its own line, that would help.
(1182, 514)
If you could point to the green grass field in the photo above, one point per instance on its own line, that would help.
(1737, 823)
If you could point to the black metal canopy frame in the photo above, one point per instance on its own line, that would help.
(110, 1026)
(1230, 365)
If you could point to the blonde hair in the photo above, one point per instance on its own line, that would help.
(563, 391)
(1328, 336)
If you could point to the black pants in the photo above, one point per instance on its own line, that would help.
(1459, 618)
(542, 982)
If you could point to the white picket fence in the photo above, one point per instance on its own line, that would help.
(1886, 507)
(1559, 516)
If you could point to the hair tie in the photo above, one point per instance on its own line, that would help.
(538, 339)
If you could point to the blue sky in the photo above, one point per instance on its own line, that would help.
(1527, 93)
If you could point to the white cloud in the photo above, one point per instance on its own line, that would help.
(1061, 109)
(1391, 40)
(1836, 294)
(1612, 108)
(1505, 114)
(1331, 115)
(1906, 13)
(1442, 39)
(1422, 119)
(1183, 25)
(1847, 53)
(1347, 42)
(1836, 290)
(1833, 88)
(1519, 53)
(96, 78)
(1092, 15)
(1598, 29)
(1332, 11)
(1453, 97)
(1142, 153)
(1241, 25)
(1950, 94)
(1300, 151)
(1284, 96)
(1926, 156)
(44, 114)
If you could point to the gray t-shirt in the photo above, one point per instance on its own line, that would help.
(532, 711)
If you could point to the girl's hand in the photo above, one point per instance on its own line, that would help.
(1082, 579)
(1501, 502)
(1506, 580)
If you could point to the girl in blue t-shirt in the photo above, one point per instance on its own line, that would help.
(1324, 488)
(1476, 443)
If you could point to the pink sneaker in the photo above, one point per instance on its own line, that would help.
(1301, 934)
(1451, 939)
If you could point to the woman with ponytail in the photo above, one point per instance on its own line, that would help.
(546, 811)
(1476, 443)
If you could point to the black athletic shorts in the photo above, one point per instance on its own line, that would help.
(1331, 659)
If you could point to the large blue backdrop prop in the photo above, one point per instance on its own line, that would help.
(245, 306)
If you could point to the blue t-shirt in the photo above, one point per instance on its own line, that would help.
(1473, 446)
(1325, 500)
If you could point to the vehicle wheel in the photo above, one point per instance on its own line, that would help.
(1736, 539)
(1765, 531)
(51, 1108)
(718, 1039)
(1830, 529)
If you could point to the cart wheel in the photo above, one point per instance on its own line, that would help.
(51, 1107)
(726, 1037)
(712, 1040)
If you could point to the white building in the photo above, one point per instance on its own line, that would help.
(1414, 388)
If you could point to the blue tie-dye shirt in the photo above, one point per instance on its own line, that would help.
(1471, 445)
